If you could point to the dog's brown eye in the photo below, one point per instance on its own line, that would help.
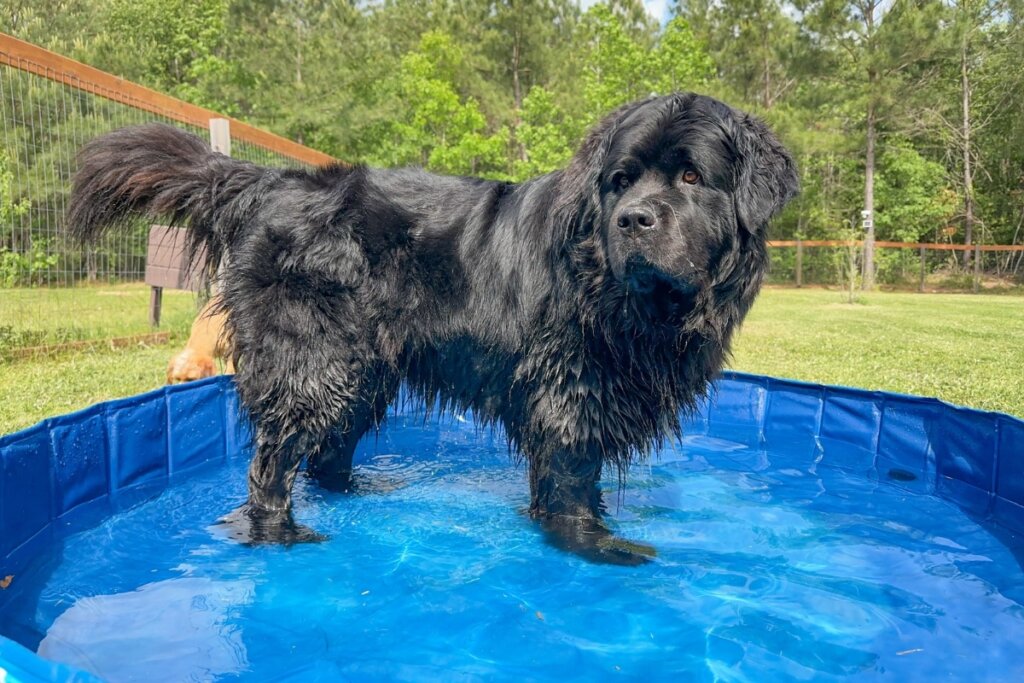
(620, 180)
(691, 177)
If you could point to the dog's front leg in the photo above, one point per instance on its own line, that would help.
(566, 499)
(266, 517)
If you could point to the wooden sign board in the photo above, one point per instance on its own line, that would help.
(167, 265)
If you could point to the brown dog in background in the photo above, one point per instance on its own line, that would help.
(206, 344)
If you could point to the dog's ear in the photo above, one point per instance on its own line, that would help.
(767, 177)
(578, 201)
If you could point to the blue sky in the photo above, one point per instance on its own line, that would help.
(656, 8)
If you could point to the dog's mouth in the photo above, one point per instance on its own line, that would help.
(644, 278)
(654, 295)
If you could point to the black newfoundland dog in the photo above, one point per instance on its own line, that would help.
(582, 310)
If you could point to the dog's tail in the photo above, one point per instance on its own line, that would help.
(160, 171)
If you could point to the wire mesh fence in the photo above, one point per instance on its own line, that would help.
(44, 123)
(923, 267)
(53, 291)
(49, 107)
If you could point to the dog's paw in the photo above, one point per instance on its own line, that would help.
(621, 551)
(342, 482)
(591, 540)
(249, 525)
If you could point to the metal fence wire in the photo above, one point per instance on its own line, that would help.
(902, 265)
(49, 107)
(44, 124)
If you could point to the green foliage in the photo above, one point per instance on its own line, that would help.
(436, 127)
(755, 47)
(830, 196)
(616, 69)
(847, 262)
(174, 44)
(547, 132)
(619, 69)
(19, 269)
(680, 62)
(912, 195)
(10, 208)
(506, 88)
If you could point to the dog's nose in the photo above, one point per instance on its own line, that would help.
(635, 219)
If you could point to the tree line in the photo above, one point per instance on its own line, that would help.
(909, 109)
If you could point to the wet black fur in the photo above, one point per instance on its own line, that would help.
(545, 306)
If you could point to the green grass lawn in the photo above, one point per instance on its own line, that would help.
(964, 349)
(38, 316)
(32, 389)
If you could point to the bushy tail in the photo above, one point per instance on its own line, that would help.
(160, 172)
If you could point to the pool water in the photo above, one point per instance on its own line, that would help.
(769, 568)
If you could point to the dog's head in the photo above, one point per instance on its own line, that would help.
(188, 366)
(668, 185)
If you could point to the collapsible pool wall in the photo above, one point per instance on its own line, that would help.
(71, 471)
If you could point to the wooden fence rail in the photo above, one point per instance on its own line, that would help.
(941, 246)
(34, 59)
(49, 106)
(52, 66)
(922, 247)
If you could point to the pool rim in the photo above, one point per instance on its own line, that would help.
(974, 458)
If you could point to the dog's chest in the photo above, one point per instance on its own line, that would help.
(463, 374)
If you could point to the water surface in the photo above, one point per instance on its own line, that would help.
(769, 568)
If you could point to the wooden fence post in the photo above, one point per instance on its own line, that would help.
(920, 286)
(799, 262)
(220, 136)
(977, 267)
(156, 297)
(220, 141)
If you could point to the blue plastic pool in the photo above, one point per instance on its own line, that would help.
(804, 532)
